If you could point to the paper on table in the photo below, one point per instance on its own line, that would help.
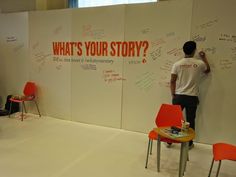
(169, 132)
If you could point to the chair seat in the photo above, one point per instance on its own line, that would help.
(22, 99)
(153, 136)
(16, 100)
(224, 151)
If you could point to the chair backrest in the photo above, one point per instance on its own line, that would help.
(30, 89)
(169, 115)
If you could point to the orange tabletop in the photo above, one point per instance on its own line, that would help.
(190, 134)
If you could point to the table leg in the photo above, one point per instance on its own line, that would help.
(183, 158)
(187, 155)
(158, 153)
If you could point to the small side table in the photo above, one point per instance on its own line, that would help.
(184, 140)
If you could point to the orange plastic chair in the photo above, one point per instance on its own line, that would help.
(222, 151)
(29, 95)
(168, 115)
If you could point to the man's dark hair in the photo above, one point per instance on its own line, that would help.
(189, 47)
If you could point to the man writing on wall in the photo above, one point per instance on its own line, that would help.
(184, 84)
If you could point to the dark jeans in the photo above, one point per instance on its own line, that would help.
(189, 103)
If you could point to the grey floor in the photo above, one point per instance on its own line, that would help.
(49, 147)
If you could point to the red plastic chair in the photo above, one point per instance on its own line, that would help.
(222, 151)
(29, 95)
(168, 115)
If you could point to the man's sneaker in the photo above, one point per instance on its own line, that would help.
(191, 146)
(168, 145)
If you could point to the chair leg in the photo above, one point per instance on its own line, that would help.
(37, 108)
(212, 163)
(218, 169)
(149, 143)
(24, 106)
(9, 113)
(22, 112)
(151, 147)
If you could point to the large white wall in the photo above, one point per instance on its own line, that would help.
(14, 53)
(93, 99)
(126, 91)
(147, 84)
(53, 78)
(214, 30)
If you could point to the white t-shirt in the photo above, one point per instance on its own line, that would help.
(189, 72)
